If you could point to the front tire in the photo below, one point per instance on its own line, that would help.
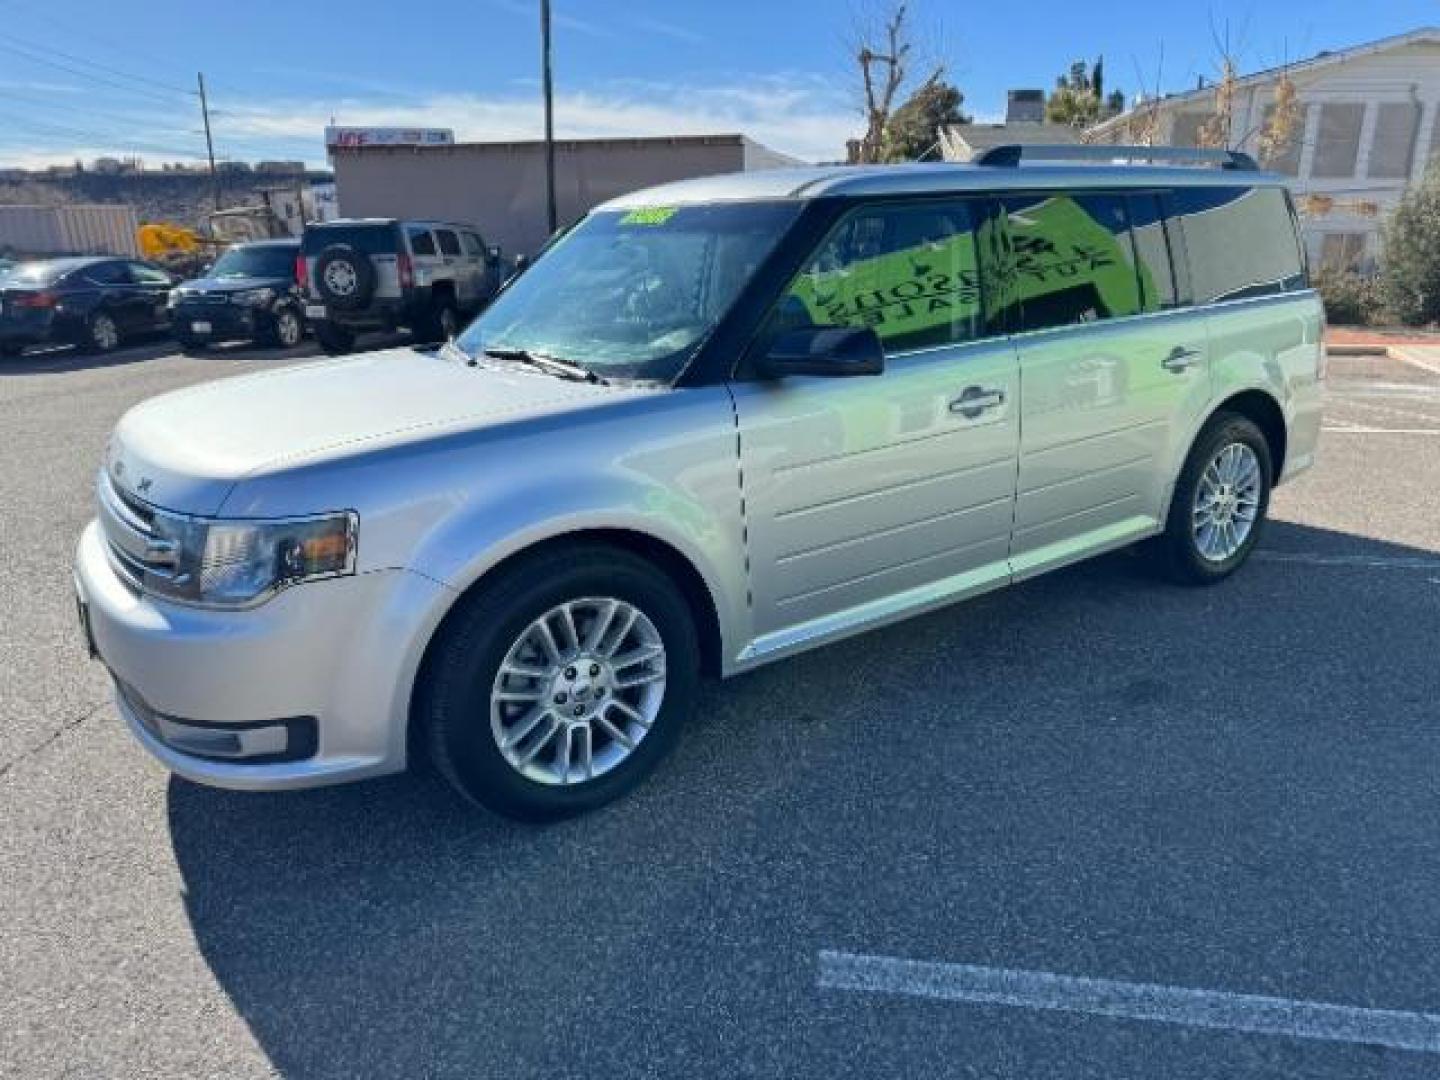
(1218, 509)
(559, 686)
(286, 329)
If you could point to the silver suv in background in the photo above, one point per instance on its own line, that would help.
(715, 424)
(384, 274)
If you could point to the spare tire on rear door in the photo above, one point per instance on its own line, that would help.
(344, 277)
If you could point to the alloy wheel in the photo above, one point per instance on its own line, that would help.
(1227, 502)
(104, 333)
(578, 690)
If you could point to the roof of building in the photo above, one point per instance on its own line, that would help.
(978, 137)
(641, 142)
(922, 179)
(1326, 57)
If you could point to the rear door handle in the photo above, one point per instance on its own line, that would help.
(974, 400)
(1180, 359)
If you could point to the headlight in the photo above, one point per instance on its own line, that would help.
(253, 297)
(232, 564)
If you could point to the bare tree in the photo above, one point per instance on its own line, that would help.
(1215, 132)
(1282, 126)
(884, 54)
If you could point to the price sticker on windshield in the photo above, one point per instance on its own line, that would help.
(649, 215)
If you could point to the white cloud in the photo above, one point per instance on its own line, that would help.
(802, 115)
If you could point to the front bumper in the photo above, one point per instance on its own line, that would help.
(205, 691)
(225, 322)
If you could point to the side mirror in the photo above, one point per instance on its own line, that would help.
(492, 254)
(835, 351)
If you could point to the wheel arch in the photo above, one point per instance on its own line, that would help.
(1261, 408)
(669, 559)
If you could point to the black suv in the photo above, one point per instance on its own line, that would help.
(250, 294)
(382, 274)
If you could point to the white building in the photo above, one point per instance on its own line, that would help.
(1370, 120)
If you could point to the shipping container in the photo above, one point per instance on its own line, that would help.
(105, 229)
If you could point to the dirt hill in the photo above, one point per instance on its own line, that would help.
(182, 198)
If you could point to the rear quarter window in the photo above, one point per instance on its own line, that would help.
(1240, 242)
(366, 239)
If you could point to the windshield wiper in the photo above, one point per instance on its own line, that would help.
(565, 369)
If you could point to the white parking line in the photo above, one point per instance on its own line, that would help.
(1379, 562)
(1250, 1013)
(1409, 356)
(1358, 430)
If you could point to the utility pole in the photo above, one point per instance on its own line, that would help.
(550, 215)
(209, 145)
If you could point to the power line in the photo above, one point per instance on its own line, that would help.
(32, 101)
(81, 73)
(46, 48)
(100, 139)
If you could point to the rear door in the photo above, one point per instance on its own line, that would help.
(457, 268)
(425, 258)
(118, 295)
(870, 497)
(1110, 369)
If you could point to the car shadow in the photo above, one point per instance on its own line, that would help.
(1031, 758)
(57, 359)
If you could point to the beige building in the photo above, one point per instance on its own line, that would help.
(1369, 122)
(500, 187)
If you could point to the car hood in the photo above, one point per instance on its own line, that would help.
(231, 284)
(186, 450)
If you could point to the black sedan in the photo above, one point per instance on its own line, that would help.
(93, 302)
(249, 294)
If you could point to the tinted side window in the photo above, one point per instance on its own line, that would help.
(448, 241)
(1152, 251)
(472, 243)
(1240, 242)
(110, 273)
(1066, 259)
(421, 242)
(378, 239)
(148, 275)
(907, 271)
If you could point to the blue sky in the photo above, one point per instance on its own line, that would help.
(104, 76)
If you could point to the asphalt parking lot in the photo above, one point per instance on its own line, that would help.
(1217, 794)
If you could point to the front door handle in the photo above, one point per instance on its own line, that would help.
(974, 400)
(1180, 359)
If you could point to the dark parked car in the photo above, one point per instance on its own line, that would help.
(249, 294)
(93, 302)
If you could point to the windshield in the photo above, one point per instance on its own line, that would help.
(244, 262)
(631, 294)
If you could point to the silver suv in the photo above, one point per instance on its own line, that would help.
(362, 274)
(716, 423)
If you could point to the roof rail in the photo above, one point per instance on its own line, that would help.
(1012, 154)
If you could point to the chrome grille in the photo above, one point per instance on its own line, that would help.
(135, 548)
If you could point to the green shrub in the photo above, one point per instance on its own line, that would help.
(1351, 299)
(1410, 269)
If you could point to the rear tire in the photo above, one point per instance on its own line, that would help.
(442, 322)
(1218, 509)
(609, 721)
(101, 334)
(335, 340)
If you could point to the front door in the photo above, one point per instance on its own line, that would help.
(869, 497)
(1109, 370)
